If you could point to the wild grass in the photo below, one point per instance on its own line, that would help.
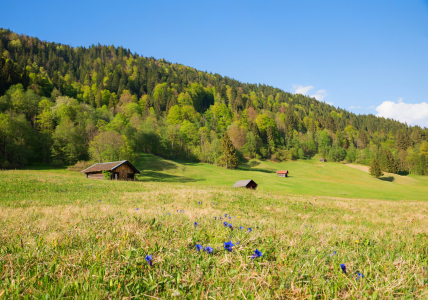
(64, 236)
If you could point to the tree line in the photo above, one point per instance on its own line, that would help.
(62, 104)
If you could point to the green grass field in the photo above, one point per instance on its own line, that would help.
(307, 177)
(63, 236)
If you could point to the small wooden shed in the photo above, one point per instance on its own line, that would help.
(282, 173)
(323, 160)
(119, 170)
(249, 184)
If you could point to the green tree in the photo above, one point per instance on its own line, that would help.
(375, 168)
(229, 152)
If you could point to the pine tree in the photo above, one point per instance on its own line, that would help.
(375, 168)
(330, 124)
(229, 152)
(363, 138)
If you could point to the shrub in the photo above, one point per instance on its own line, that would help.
(80, 165)
(57, 163)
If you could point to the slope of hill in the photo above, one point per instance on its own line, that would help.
(65, 104)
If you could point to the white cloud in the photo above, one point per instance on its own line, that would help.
(300, 89)
(319, 95)
(354, 107)
(413, 114)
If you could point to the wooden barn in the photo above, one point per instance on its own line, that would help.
(249, 184)
(282, 173)
(119, 170)
(323, 160)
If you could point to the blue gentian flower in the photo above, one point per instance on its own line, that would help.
(241, 227)
(224, 224)
(169, 214)
(209, 250)
(196, 224)
(343, 267)
(149, 259)
(228, 246)
(225, 215)
(249, 230)
(215, 218)
(199, 247)
(230, 217)
(237, 243)
(99, 200)
(137, 208)
(360, 275)
(257, 253)
(230, 226)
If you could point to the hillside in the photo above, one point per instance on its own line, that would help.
(63, 104)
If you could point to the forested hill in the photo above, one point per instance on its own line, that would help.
(63, 104)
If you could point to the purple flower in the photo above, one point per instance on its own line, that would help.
(249, 229)
(237, 243)
(360, 275)
(137, 208)
(149, 259)
(224, 224)
(199, 247)
(209, 250)
(230, 226)
(257, 253)
(99, 200)
(196, 224)
(241, 227)
(343, 267)
(225, 215)
(230, 217)
(228, 246)
(215, 218)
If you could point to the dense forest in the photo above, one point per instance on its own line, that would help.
(61, 105)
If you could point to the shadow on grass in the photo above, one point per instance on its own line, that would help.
(162, 177)
(389, 178)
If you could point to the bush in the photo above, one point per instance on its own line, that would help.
(80, 166)
(107, 175)
(57, 163)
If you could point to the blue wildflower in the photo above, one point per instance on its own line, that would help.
(249, 230)
(237, 243)
(224, 224)
(230, 217)
(149, 259)
(215, 218)
(230, 226)
(360, 275)
(169, 214)
(225, 215)
(199, 247)
(241, 227)
(99, 200)
(257, 253)
(137, 208)
(209, 250)
(228, 246)
(196, 224)
(343, 267)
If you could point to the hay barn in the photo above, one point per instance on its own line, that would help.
(249, 184)
(282, 173)
(119, 170)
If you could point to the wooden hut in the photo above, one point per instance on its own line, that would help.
(323, 160)
(119, 170)
(249, 184)
(282, 173)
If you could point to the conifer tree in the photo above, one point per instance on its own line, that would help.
(375, 168)
(229, 152)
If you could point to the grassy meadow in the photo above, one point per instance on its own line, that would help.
(63, 236)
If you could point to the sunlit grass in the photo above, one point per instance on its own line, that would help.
(69, 237)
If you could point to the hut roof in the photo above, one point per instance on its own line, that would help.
(282, 172)
(242, 183)
(108, 166)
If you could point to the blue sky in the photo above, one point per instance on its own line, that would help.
(364, 56)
